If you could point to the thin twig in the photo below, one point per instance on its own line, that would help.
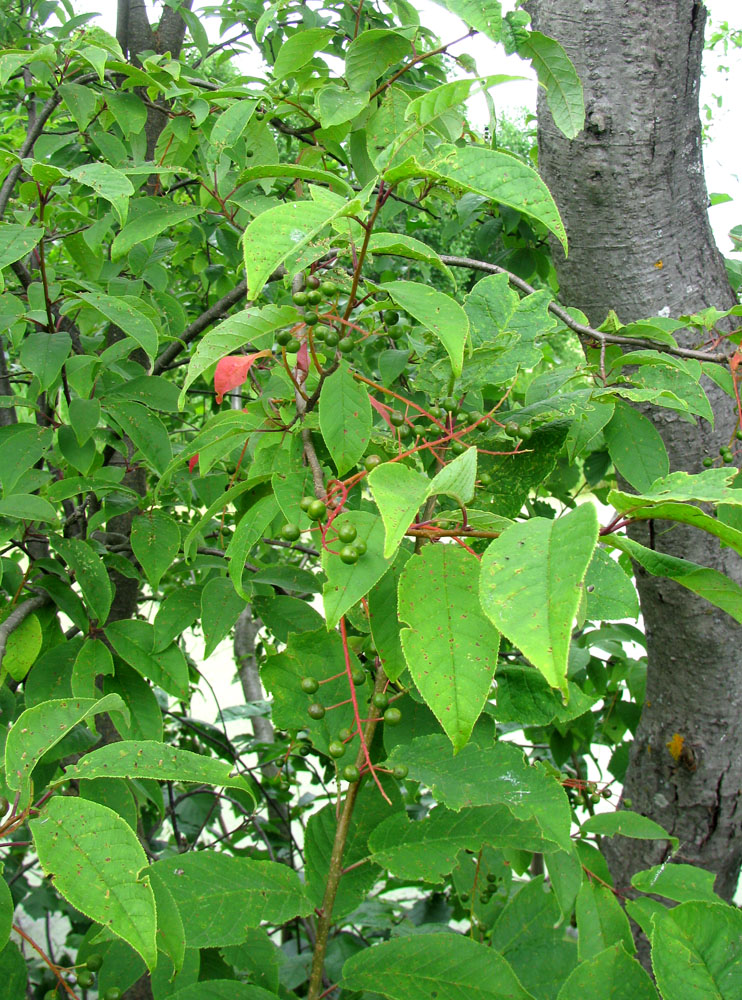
(16, 618)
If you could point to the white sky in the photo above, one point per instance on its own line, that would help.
(722, 153)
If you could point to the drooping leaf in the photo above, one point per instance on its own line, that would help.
(90, 573)
(456, 479)
(347, 584)
(299, 49)
(611, 974)
(437, 312)
(627, 824)
(108, 183)
(345, 418)
(124, 314)
(370, 54)
(484, 17)
(451, 647)
(232, 371)
(155, 541)
(155, 215)
(399, 492)
(337, 105)
(678, 882)
(447, 965)
(249, 531)
(558, 76)
(134, 641)
(611, 594)
(98, 865)
(384, 621)
(600, 921)
(695, 951)
(530, 585)
(44, 354)
(220, 607)
(94, 660)
(636, 447)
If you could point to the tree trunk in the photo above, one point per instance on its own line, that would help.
(632, 194)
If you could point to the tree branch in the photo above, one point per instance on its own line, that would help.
(581, 329)
(16, 618)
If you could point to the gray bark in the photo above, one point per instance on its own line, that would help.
(632, 193)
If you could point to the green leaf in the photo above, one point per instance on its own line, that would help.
(451, 647)
(20, 448)
(299, 49)
(124, 314)
(220, 608)
(7, 906)
(89, 571)
(44, 354)
(146, 430)
(94, 660)
(695, 952)
(155, 215)
(230, 125)
(134, 641)
(456, 479)
(336, 105)
(611, 974)
(252, 326)
(40, 728)
(611, 594)
(28, 507)
(600, 921)
(284, 230)
(96, 860)
(539, 565)
(80, 101)
(22, 646)
(712, 486)
(484, 17)
(398, 492)
(346, 585)
(384, 621)
(249, 531)
(501, 178)
(84, 417)
(678, 882)
(627, 824)
(635, 446)
(299, 171)
(558, 76)
(437, 312)
(170, 930)
(223, 896)
(370, 54)
(13, 970)
(447, 966)
(128, 110)
(494, 775)
(524, 696)
(222, 989)
(17, 242)
(707, 583)
(400, 245)
(108, 183)
(345, 418)
(149, 759)
(176, 613)
(427, 849)
(155, 541)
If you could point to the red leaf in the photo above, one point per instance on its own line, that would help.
(302, 360)
(381, 409)
(232, 371)
(193, 462)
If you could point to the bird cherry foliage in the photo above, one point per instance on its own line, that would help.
(260, 422)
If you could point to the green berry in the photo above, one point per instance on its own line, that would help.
(332, 339)
(300, 298)
(312, 281)
(290, 532)
(727, 456)
(316, 710)
(284, 87)
(392, 716)
(380, 700)
(449, 404)
(309, 685)
(85, 979)
(405, 432)
(464, 897)
(360, 546)
(249, 153)
(512, 429)
(329, 289)
(347, 533)
(344, 735)
(306, 503)
(311, 319)
(94, 962)
(293, 346)
(396, 419)
(474, 416)
(358, 675)
(314, 297)
(491, 877)
(316, 510)
(526, 433)
(458, 447)
(400, 771)
(51, 995)
(349, 555)
(485, 478)
(351, 773)
(336, 749)
(320, 331)
(390, 317)
(371, 461)
(356, 641)
(283, 337)
(346, 345)
(708, 462)
(738, 434)
(114, 993)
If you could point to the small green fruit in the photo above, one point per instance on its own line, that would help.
(392, 716)
(293, 346)
(708, 462)
(458, 447)
(390, 317)
(309, 685)
(94, 962)
(405, 432)
(347, 533)
(526, 433)
(300, 298)
(312, 281)
(360, 547)
(316, 710)
(396, 419)
(512, 429)
(358, 675)
(283, 337)
(371, 461)
(290, 532)
(285, 87)
(344, 735)
(738, 434)
(346, 345)
(114, 993)
(349, 555)
(85, 979)
(311, 319)
(380, 700)
(332, 339)
(316, 510)
(351, 773)
(328, 289)
(336, 749)
(306, 503)
(320, 332)
(449, 404)
(400, 771)
(473, 416)
(485, 478)
(314, 297)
